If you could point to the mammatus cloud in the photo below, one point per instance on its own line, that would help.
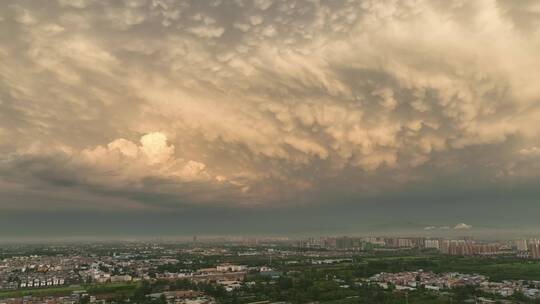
(533, 151)
(267, 102)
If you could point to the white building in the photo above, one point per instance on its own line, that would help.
(405, 243)
(121, 278)
(233, 268)
(431, 244)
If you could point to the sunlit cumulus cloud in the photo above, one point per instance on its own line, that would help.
(266, 102)
(462, 226)
(153, 157)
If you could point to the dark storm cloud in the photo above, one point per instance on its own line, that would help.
(264, 106)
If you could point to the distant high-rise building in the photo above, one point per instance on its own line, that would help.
(344, 242)
(391, 242)
(521, 245)
(468, 239)
(418, 242)
(444, 246)
(431, 244)
(457, 247)
(330, 243)
(535, 251)
(533, 241)
(405, 243)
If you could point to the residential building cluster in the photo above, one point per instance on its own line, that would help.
(412, 280)
(39, 271)
(227, 275)
(465, 246)
(528, 248)
(183, 297)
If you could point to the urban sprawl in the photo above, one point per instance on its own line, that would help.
(274, 270)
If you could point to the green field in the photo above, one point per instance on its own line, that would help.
(39, 292)
(412, 298)
(94, 289)
(497, 269)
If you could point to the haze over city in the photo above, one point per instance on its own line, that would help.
(157, 118)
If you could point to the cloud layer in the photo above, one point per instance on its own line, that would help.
(158, 104)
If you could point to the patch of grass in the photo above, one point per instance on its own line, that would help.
(111, 288)
(55, 291)
(94, 289)
(496, 268)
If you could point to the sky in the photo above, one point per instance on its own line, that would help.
(237, 117)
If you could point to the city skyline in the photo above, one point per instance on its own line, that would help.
(148, 118)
